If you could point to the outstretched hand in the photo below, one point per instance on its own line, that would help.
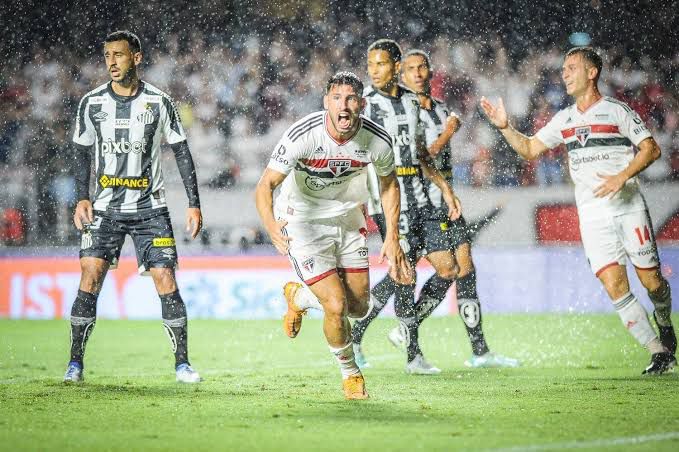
(497, 115)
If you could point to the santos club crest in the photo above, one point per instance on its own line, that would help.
(582, 133)
(339, 167)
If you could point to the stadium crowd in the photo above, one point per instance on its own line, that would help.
(238, 92)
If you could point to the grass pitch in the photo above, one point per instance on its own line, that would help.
(579, 388)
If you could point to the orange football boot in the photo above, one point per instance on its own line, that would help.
(292, 320)
(354, 388)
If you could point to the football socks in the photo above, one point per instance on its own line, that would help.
(83, 318)
(345, 359)
(634, 318)
(469, 308)
(662, 302)
(174, 321)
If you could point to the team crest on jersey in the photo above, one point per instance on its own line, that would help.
(147, 117)
(100, 117)
(582, 134)
(308, 264)
(339, 166)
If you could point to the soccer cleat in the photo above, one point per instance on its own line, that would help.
(667, 336)
(292, 320)
(397, 338)
(74, 373)
(420, 366)
(660, 363)
(359, 357)
(491, 360)
(186, 374)
(354, 387)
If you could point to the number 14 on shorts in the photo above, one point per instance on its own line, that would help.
(643, 236)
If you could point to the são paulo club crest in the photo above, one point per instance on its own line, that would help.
(339, 166)
(582, 133)
(308, 264)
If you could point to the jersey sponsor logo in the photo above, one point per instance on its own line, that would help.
(361, 153)
(147, 117)
(406, 171)
(582, 133)
(132, 183)
(308, 264)
(601, 116)
(318, 184)
(339, 166)
(100, 117)
(123, 146)
(122, 124)
(576, 160)
(97, 100)
(163, 241)
(319, 150)
(279, 155)
(402, 138)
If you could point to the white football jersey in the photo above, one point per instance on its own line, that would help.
(599, 141)
(326, 179)
(434, 122)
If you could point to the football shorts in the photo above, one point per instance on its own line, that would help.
(151, 234)
(612, 240)
(321, 247)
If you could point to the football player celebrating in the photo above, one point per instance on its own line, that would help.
(318, 221)
(600, 133)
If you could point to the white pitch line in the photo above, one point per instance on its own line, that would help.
(622, 441)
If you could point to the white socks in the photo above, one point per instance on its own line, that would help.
(305, 299)
(635, 319)
(345, 358)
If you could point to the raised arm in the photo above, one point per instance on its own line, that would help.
(264, 201)
(529, 148)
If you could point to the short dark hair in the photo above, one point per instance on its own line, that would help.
(124, 35)
(388, 45)
(345, 78)
(419, 52)
(590, 55)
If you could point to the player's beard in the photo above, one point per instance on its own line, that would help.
(129, 77)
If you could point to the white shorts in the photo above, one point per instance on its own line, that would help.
(321, 247)
(609, 241)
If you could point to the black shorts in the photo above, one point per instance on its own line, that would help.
(151, 233)
(423, 236)
(458, 232)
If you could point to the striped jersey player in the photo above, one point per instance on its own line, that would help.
(400, 116)
(120, 126)
(125, 133)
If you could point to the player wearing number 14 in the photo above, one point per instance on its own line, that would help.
(599, 133)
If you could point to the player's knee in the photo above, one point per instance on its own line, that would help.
(164, 280)
(91, 280)
(653, 281)
(335, 308)
(464, 269)
(359, 308)
(449, 272)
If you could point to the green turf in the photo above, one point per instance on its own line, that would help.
(579, 388)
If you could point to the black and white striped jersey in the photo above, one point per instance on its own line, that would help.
(125, 133)
(434, 121)
(400, 116)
